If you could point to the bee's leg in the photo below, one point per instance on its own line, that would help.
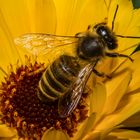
(99, 24)
(89, 26)
(87, 90)
(80, 34)
(101, 74)
(118, 55)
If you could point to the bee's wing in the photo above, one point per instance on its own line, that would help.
(71, 98)
(37, 43)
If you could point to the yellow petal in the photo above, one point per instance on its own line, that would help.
(19, 17)
(97, 100)
(2, 73)
(10, 138)
(135, 83)
(133, 121)
(134, 67)
(42, 16)
(116, 88)
(16, 138)
(126, 23)
(75, 15)
(53, 134)
(123, 16)
(127, 107)
(107, 3)
(29, 16)
(92, 136)
(132, 30)
(6, 132)
(126, 134)
(85, 127)
(8, 52)
(15, 16)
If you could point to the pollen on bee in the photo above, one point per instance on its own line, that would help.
(22, 109)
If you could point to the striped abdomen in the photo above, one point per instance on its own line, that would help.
(57, 78)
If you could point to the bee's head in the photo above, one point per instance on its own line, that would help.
(107, 35)
(90, 47)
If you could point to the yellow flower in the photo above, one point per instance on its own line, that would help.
(120, 105)
(113, 104)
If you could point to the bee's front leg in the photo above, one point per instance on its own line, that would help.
(80, 34)
(118, 55)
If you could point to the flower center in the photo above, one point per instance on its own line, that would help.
(22, 109)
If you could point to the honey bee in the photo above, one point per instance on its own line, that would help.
(66, 77)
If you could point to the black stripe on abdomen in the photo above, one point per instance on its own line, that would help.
(59, 76)
(65, 69)
(52, 82)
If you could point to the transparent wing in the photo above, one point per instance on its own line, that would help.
(71, 98)
(37, 43)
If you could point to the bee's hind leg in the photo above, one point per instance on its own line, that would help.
(101, 74)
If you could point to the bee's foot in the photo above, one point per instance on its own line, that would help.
(109, 77)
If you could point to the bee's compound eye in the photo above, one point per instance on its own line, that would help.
(102, 31)
(107, 35)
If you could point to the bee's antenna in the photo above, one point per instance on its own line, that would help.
(125, 36)
(114, 17)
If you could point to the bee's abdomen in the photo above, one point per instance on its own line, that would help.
(58, 77)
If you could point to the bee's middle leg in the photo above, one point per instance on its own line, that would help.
(101, 74)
